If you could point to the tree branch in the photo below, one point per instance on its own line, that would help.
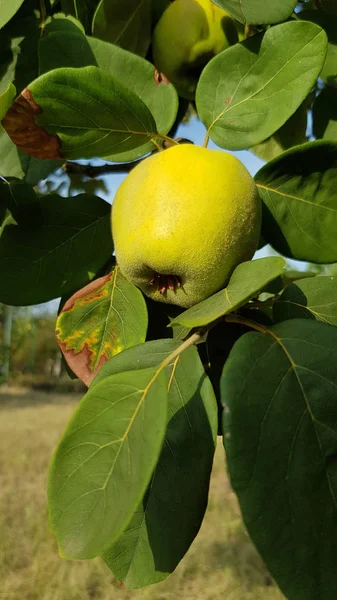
(94, 171)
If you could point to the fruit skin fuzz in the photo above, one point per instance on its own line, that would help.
(182, 220)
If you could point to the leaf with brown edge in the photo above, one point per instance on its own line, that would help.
(80, 113)
(27, 135)
(99, 321)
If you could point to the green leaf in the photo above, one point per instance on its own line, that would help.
(250, 90)
(298, 190)
(21, 201)
(18, 52)
(324, 114)
(14, 163)
(289, 276)
(142, 356)
(312, 298)
(166, 522)
(69, 243)
(61, 49)
(248, 279)
(137, 75)
(19, 65)
(126, 24)
(279, 425)
(6, 99)
(329, 24)
(10, 164)
(83, 10)
(105, 460)
(258, 12)
(220, 340)
(64, 44)
(63, 23)
(292, 133)
(79, 113)
(8, 10)
(99, 321)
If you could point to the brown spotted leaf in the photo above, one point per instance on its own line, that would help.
(27, 135)
(99, 321)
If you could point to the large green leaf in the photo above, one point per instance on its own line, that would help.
(8, 10)
(105, 460)
(248, 279)
(126, 24)
(60, 49)
(324, 114)
(292, 133)
(62, 22)
(74, 113)
(137, 74)
(63, 251)
(249, 91)
(298, 190)
(280, 434)
(312, 298)
(329, 24)
(99, 321)
(220, 340)
(65, 49)
(257, 12)
(18, 52)
(19, 65)
(6, 99)
(169, 517)
(10, 164)
(83, 10)
(22, 202)
(14, 163)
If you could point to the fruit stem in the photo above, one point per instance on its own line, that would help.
(206, 140)
(165, 138)
(158, 146)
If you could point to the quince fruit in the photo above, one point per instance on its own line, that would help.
(186, 37)
(182, 220)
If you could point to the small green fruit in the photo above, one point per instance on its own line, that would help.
(182, 220)
(187, 36)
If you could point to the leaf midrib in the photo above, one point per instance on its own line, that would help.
(232, 106)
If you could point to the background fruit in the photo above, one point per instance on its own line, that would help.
(188, 35)
(187, 215)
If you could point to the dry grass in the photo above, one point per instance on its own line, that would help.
(220, 564)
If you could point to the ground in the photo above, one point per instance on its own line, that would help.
(221, 563)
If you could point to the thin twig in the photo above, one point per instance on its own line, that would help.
(233, 318)
(43, 13)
